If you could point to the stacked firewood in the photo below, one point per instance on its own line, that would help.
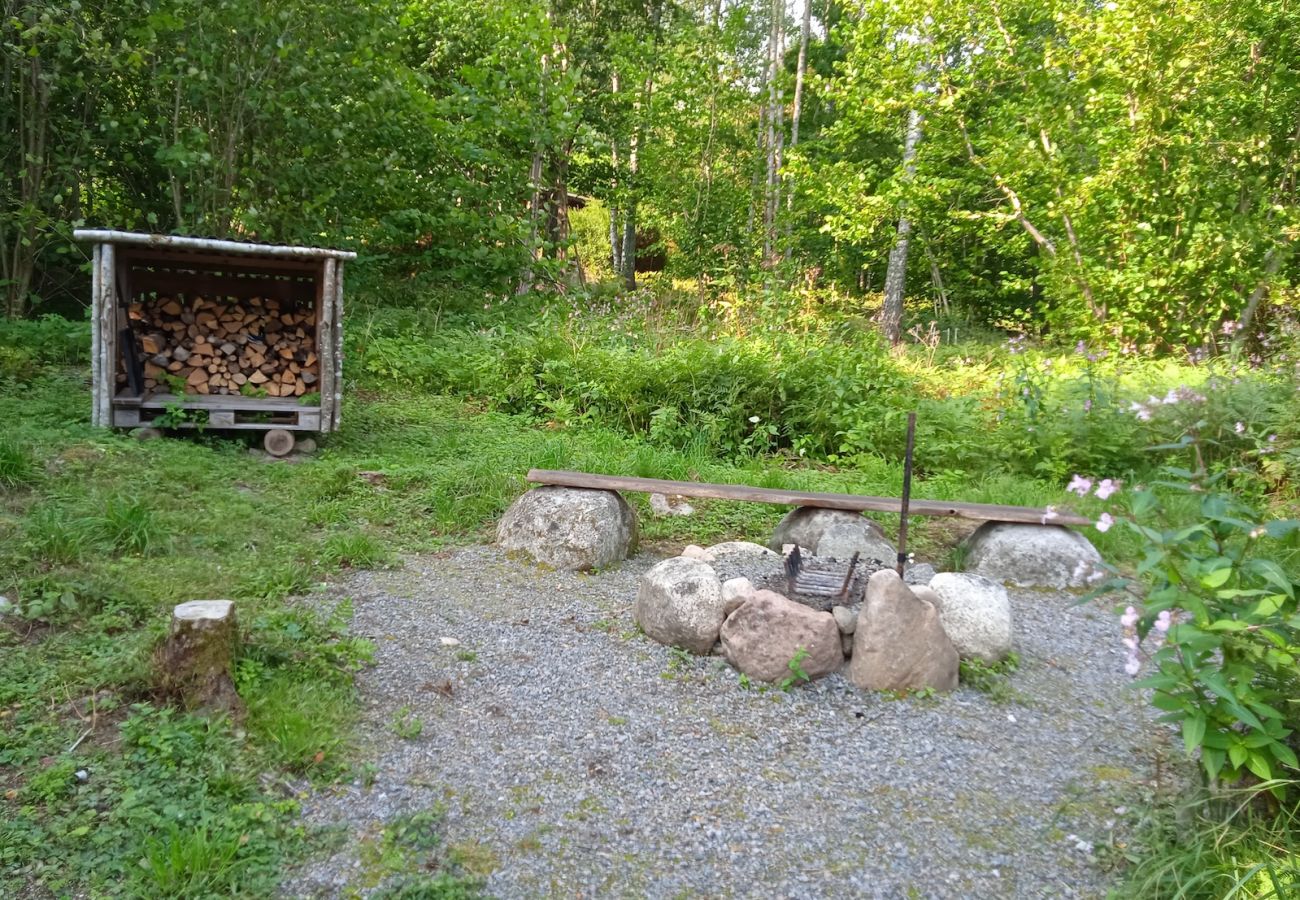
(255, 347)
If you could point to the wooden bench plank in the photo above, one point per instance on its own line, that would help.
(990, 512)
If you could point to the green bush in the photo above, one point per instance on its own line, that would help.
(29, 347)
(1223, 617)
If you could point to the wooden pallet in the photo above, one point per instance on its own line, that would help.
(984, 512)
(223, 411)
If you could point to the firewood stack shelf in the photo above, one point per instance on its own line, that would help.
(235, 335)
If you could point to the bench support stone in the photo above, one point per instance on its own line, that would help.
(570, 528)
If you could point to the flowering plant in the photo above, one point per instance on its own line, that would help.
(1223, 621)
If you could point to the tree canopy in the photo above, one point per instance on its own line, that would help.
(1122, 170)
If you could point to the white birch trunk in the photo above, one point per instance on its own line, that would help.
(891, 315)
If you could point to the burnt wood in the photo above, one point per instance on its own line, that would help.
(980, 512)
(131, 359)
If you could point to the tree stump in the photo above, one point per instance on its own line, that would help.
(194, 661)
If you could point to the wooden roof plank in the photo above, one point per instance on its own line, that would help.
(178, 242)
(988, 512)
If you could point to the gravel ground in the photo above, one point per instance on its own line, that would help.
(572, 757)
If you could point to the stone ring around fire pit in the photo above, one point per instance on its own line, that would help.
(737, 599)
(732, 600)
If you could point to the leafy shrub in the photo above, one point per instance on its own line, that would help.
(1226, 672)
(29, 347)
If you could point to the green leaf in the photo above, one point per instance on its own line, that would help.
(1260, 765)
(1216, 579)
(1193, 731)
(1281, 527)
(1227, 625)
(1273, 574)
(1285, 755)
(1212, 760)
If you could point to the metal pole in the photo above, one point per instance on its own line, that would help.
(907, 494)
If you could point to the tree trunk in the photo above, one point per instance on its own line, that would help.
(24, 244)
(1273, 263)
(891, 315)
(534, 211)
(705, 186)
(615, 242)
(641, 112)
(770, 188)
(801, 70)
(615, 239)
(629, 222)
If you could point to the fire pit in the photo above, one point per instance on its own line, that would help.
(791, 617)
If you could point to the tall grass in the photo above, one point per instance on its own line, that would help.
(1198, 853)
(16, 466)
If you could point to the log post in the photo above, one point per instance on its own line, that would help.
(193, 662)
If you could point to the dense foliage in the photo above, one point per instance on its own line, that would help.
(1123, 170)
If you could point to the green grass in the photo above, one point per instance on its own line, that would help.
(101, 534)
(1228, 849)
(16, 467)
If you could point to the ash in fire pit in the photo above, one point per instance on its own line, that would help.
(823, 584)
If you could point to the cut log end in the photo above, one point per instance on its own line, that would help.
(278, 442)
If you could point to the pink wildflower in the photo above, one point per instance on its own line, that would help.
(1162, 622)
(1130, 617)
(1049, 514)
(1104, 522)
(1107, 487)
(1132, 666)
(1079, 485)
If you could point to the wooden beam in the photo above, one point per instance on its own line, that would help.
(983, 512)
(325, 326)
(215, 401)
(96, 345)
(106, 313)
(177, 242)
(217, 262)
(207, 284)
(337, 355)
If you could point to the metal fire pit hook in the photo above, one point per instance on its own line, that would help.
(907, 494)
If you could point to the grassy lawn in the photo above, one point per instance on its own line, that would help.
(106, 787)
(100, 534)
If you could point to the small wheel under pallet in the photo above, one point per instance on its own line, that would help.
(278, 442)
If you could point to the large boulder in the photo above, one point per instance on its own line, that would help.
(843, 539)
(918, 573)
(767, 631)
(741, 550)
(976, 613)
(680, 604)
(1031, 555)
(733, 559)
(900, 644)
(806, 525)
(570, 528)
